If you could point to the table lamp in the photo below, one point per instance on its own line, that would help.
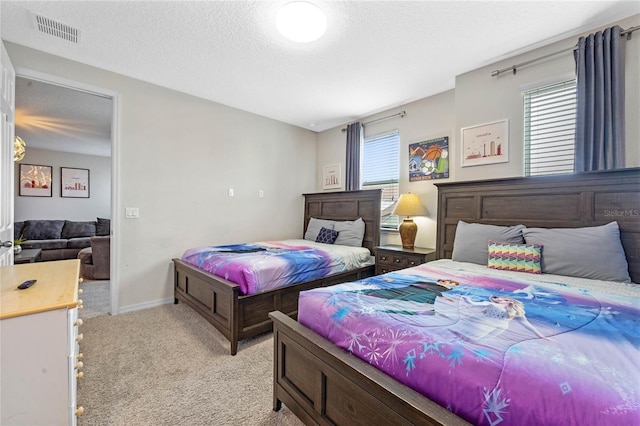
(409, 205)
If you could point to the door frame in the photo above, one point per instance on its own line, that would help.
(115, 161)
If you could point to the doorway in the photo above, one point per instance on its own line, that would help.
(72, 128)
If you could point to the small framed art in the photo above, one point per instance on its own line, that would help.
(331, 177)
(35, 180)
(74, 182)
(485, 144)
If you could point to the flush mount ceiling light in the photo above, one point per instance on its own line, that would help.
(301, 21)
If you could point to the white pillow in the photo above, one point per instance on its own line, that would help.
(314, 227)
(350, 233)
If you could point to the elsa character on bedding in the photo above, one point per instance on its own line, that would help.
(493, 319)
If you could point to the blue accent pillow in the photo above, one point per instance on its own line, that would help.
(326, 236)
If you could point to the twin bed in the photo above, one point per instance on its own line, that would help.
(486, 338)
(237, 298)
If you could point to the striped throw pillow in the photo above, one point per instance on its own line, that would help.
(515, 257)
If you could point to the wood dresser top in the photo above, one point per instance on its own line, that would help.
(57, 287)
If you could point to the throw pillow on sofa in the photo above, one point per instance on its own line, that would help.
(73, 229)
(103, 227)
(42, 229)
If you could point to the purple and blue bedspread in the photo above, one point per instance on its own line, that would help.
(493, 350)
(263, 266)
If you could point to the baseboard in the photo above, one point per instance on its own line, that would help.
(145, 305)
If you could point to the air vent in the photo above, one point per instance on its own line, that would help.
(56, 29)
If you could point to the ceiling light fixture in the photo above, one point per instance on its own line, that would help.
(301, 21)
(19, 149)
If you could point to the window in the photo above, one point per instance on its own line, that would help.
(549, 129)
(381, 170)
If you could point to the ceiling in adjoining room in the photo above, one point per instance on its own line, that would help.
(375, 55)
(58, 118)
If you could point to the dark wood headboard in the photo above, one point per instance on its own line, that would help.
(347, 205)
(559, 201)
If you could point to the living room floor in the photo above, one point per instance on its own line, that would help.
(96, 297)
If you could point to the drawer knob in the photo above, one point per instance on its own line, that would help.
(78, 365)
(80, 291)
(396, 260)
(79, 411)
(79, 337)
(78, 322)
(79, 375)
(80, 356)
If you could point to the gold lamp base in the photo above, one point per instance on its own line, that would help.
(408, 230)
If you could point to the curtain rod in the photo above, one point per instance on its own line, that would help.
(513, 68)
(400, 114)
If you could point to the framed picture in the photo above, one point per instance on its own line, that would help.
(35, 181)
(429, 159)
(485, 144)
(331, 177)
(74, 182)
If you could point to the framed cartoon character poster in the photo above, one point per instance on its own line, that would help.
(429, 159)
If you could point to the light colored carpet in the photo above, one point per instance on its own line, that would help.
(168, 366)
(96, 297)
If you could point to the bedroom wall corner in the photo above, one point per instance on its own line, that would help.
(177, 158)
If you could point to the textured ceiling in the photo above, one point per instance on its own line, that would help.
(374, 56)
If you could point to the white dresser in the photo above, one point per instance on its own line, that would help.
(39, 344)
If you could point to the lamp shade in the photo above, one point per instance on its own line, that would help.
(410, 205)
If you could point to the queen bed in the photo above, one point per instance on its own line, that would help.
(239, 305)
(386, 351)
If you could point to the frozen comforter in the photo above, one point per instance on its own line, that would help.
(262, 266)
(494, 347)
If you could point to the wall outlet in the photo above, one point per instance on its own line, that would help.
(230, 192)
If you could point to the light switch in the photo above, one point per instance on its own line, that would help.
(131, 213)
(230, 192)
(261, 193)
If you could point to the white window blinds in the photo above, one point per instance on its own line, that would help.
(381, 170)
(549, 129)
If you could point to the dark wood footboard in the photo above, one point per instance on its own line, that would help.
(323, 384)
(238, 316)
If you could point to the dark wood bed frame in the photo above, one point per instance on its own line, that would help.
(324, 384)
(239, 316)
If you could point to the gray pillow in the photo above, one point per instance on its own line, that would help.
(103, 226)
(43, 229)
(73, 229)
(350, 233)
(594, 252)
(314, 226)
(472, 240)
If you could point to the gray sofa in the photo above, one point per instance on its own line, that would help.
(59, 239)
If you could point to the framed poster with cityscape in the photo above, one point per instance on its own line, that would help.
(485, 144)
(74, 182)
(35, 180)
(429, 159)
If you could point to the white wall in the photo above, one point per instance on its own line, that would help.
(425, 119)
(177, 157)
(82, 209)
(479, 98)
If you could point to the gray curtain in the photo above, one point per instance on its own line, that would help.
(355, 137)
(600, 118)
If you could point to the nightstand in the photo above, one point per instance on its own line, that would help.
(391, 258)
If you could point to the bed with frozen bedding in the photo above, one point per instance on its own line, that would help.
(264, 266)
(475, 341)
(235, 286)
(530, 316)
